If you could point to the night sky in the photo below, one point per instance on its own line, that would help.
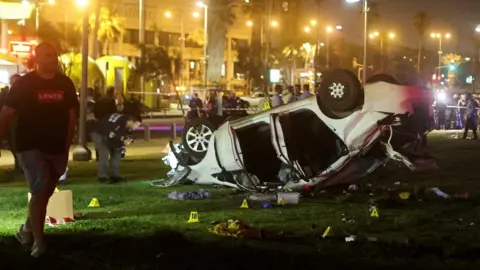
(458, 17)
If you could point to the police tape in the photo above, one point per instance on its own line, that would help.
(233, 109)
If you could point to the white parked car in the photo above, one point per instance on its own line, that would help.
(343, 133)
(256, 99)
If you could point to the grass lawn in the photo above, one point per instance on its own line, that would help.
(137, 227)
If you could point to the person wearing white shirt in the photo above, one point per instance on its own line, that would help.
(306, 92)
(276, 99)
(287, 95)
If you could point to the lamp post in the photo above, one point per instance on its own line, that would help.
(205, 43)
(440, 37)
(37, 5)
(81, 152)
(365, 36)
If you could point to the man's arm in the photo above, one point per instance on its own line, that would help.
(6, 116)
(12, 103)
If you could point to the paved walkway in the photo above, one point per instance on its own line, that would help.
(139, 148)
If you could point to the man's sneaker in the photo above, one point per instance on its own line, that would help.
(38, 250)
(117, 179)
(103, 179)
(24, 237)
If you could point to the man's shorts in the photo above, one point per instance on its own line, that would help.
(39, 168)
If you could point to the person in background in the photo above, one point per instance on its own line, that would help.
(133, 107)
(196, 105)
(288, 95)
(441, 108)
(306, 92)
(44, 103)
(471, 115)
(276, 99)
(462, 102)
(105, 105)
(120, 101)
(110, 136)
(10, 136)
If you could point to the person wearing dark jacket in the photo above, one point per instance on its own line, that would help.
(110, 136)
(105, 105)
(471, 116)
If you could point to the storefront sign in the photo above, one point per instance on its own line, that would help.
(21, 48)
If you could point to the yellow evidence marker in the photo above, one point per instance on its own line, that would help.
(56, 190)
(94, 203)
(328, 232)
(244, 204)
(374, 213)
(281, 201)
(193, 218)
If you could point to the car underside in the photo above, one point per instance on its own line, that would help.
(319, 141)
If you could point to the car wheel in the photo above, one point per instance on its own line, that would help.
(341, 92)
(382, 77)
(196, 137)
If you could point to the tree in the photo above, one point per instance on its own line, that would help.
(108, 28)
(220, 17)
(421, 21)
(251, 65)
(451, 61)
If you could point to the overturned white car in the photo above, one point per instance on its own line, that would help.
(345, 132)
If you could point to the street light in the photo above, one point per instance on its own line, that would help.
(205, 38)
(307, 29)
(249, 23)
(477, 29)
(81, 152)
(440, 37)
(391, 35)
(168, 14)
(365, 36)
(313, 22)
(196, 14)
(274, 23)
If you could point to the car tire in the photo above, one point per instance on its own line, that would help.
(382, 77)
(196, 137)
(340, 92)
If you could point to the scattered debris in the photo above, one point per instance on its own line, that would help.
(262, 197)
(52, 222)
(189, 195)
(461, 196)
(288, 198)
(235, 228)
(353, 187)
(404, 195)
(439, 193)
(266, 206)
(350, 238)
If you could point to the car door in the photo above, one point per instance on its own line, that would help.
(279, 133)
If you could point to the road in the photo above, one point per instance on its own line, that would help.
(140, 148)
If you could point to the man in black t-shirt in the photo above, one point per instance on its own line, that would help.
(110, 136)
(44, 103)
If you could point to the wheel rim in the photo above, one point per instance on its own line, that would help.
(198, 137)
(337, 91)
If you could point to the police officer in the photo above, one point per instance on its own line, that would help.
(471, 116)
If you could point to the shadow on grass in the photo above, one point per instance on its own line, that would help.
(171, 250)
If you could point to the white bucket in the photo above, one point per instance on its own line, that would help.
(288, 197)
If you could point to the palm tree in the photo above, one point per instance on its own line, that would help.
(220, 17)
(108, 30)
(421, 21)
